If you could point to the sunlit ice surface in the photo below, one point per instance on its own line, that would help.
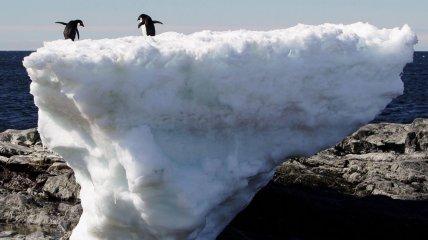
(171, 136)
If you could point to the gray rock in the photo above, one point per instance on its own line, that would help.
(29, 163)
(70, 211)
(59, 168)
(39, 235)
(7, 234)
(3, 160)
(62, 187)
(378, 159)
(27, 169)
(26, 137)
(417, 139)
(9, 149)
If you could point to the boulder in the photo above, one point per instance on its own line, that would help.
(26, 210)
(63, 187)
(26, 137)
(378, 159)
(7, 234)
(9, 149)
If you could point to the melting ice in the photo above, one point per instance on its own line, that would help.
(171, 136)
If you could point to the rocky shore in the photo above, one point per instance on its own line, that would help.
(372, 184)
(379, 159)
(38, 192)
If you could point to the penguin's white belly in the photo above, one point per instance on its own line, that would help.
(143, 31)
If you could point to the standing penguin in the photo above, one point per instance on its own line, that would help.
(71, 30)
(150, 24)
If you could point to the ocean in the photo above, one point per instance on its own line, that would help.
(17, 109)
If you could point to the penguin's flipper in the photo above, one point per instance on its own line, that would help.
(63, 23)
(157, 22)
(141, 24)
(78, 35)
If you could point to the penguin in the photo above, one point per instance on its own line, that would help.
(150, 24)
(71, 30)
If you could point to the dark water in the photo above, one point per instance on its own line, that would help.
(17, 109)
(414, 101)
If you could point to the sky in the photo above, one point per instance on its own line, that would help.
(26, 24)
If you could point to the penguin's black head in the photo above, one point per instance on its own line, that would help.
(80, 22)
(143, 17)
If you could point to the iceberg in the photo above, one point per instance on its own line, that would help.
(171, 136)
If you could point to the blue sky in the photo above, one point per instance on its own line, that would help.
(25, 24)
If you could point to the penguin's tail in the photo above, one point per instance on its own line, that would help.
(157, 22)
(63, 23)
